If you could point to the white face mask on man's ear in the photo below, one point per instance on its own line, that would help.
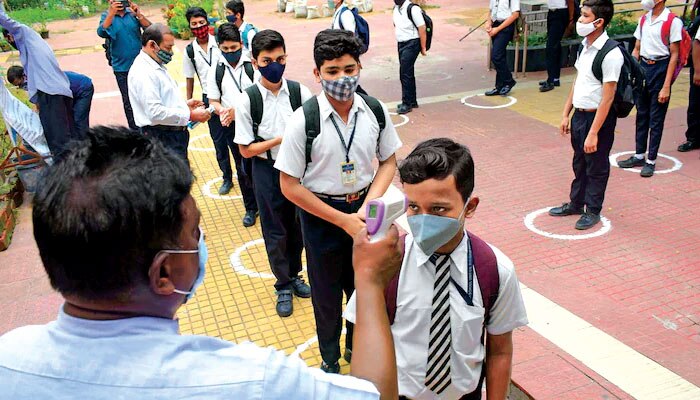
(584, 29)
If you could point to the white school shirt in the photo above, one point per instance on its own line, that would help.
(502, 9)
(205, 60)
(403, 27)
(652, 45)
(411, 328)
(323, 174)
(247, 47)
(346, 18)
(556, 4)
(588, 90)
(276, 112)
(235, 81)
(155, 96)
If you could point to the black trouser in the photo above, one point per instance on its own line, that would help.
(124, 89)
(591, 170)
(280, 223)
(650, 113)
(244, 172)
(692, 134)
(175, 140)
(408, 53)
(56, 115)
(223, 141)
(329, 261)
(81, 112)
(498, 54)
(557, 21)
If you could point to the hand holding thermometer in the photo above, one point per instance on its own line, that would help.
(382, 212)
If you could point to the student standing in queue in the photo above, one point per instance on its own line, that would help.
(411, 35)
(235, 12)
(501, 28)
(560, 17)
(261, 118)
(326, 169)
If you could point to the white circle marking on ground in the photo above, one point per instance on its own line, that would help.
(305, 346)
(464, 101)
(530, 224)
(430, 76)
(677, 164)
(238, 266)
(195, 148)
(403, 117)
(206, 190)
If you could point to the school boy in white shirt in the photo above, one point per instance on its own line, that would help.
(456, 300)
(592, 127)
(658, 56)
(326, 169)
(411, 35)
(501, 27)
(342, 19)
(235, 12)
(231, 75)
(261, 117)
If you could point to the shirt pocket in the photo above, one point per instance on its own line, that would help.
(467, 329)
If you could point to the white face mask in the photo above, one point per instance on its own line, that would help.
(648, 4)
(583, 29)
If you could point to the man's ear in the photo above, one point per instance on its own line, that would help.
(159, 275)
(253, 61)
(471, 207)
(317, 75)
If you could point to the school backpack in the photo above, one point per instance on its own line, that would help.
(221, 69)
(485, 267)
(312, 117)
(256, 106)
(630, 83)
(361, 28)
(428, 25)
(685, 44)
(107, 45)
(244, 35)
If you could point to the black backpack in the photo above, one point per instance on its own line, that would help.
(631, 82)
(312, 116)
(256, 106)
(107, 45)
(428, 25)
(221, 69)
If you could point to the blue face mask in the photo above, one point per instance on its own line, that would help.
(272, 72)
(203, 254)
(233, 57)
(430, 232)
(231, 18)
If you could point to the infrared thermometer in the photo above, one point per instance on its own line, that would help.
(382, 212)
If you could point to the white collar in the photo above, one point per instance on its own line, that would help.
(326, 109)
(151, 62)
(264, 92)
(459, 256)
(661, 18)
(598, 43)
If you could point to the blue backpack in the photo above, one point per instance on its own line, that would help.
(361, 28)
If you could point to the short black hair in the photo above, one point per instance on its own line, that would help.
(267, 40)
(601, 9)
(105, 209)
(193, 12)
(15, 72)
(437, 159)
(335, 43)
(155, 32)
(228, 32)
(237, 7)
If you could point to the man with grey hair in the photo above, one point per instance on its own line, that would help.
(159, 109)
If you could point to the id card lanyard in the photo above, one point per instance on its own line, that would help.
(240, 79)
(468, 296)
(348, 170)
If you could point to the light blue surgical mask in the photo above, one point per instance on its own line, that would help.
(430, 232)
(203, 254)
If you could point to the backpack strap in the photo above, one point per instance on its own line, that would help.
(410, 16)
(666, 29)
(340, 15)
(248, 68)
(247, 29)
(486, 268)
(190, 54)
(609, 45)
(256, 113)
(312, 117)
(294, 94)
(219, 75)
(378, 112)
(392, 290)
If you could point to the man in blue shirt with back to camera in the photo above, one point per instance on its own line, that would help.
(122, 24)
(120, 238)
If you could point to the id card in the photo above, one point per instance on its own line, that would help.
(348, 173)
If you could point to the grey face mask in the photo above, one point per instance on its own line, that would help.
(430, 232)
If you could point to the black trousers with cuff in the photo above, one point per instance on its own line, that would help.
(498, 54)
(651, 114)
(557, 21)
(408, 54)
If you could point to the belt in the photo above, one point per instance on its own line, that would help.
(649, 61)
(587, 110)
(348, 198)
(166, 128)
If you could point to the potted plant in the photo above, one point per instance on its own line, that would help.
(41, 29)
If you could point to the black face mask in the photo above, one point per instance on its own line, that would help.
(399, 2)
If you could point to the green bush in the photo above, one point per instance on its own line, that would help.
(622, 24)
(31, 16)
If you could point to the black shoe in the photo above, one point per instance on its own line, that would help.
(415, 105)
(493, 92)
(348, 355)
(687, 146)
(631, 162)
(555, 83)
(546, 87)
(648, 170)
(565, 210)
(403, 109)
(285, 307)
(587, 221)
(300, 288)
(225, 188)
(506, 89)
(330, 369)
(249, 218)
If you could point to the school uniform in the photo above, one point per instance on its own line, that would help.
(654, 59)
(233, 85)
(557, 21)
(592, 170)
(342, 19)
(328, 247)
(692, 134)
(159, 109)
(278, 216)
(415, 299)
(247, 32)
(409, 47)
(500, 11)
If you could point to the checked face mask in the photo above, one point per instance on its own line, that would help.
(343, 88)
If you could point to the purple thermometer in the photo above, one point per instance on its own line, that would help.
(382, 212)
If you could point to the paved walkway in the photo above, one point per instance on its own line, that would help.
(612, 316)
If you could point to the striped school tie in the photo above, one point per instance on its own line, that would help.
(437, 377)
